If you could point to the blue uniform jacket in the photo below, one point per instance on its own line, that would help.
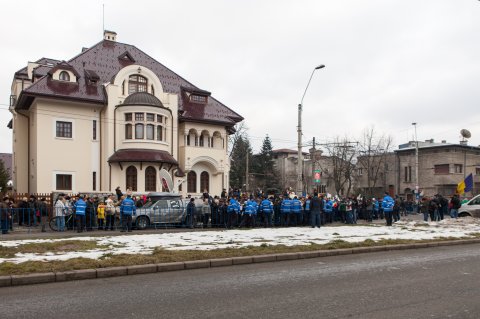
(250, 209)
(328, 206)
(128, 207)
(267, 206)
(233, 206)
(252, 203)
(387, 204)
(80, 207)
(307, 205)
(286, 206)
(296, 206)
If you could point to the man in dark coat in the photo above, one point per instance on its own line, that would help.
(316, 206)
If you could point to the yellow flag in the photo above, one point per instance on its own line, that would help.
(461, 187)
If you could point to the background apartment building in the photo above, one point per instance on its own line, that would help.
(441, 166)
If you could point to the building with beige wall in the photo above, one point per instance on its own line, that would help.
(113, 116)
(441, 166)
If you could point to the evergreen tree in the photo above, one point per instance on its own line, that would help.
(4, 176)
(264, 166)
(238, 162)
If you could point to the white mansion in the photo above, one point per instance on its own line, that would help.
(113, 116)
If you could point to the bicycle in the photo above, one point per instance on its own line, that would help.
(69, 222)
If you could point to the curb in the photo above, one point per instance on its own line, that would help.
(41, 278)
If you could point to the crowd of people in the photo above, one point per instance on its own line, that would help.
(87, 212)
(231, 209)
(234, 209)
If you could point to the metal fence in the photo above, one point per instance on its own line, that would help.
(34, 220)
(44, 219)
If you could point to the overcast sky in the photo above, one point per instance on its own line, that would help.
(388, 63)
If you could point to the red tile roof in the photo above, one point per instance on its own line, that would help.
(103, 60)
(142, 155)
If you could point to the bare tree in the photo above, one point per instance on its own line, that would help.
(240, 132)
(373, 151)
(342, 153)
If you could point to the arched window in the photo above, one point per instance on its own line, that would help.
(204, 182)
(137, 83)
(204, 139)
(128, 131)
(64, 76)
(132, 178)
(216, 140)
(192, 182)
(139, 131)
(150, 179)
(192, 137)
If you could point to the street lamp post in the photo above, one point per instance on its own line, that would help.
(299, 131)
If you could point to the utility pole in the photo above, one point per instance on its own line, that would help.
(417, 187)
(246, 173)
(314, 162)
(299, 131)
(300, 155)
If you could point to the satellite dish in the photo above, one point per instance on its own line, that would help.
(465, 133)
(166, 180)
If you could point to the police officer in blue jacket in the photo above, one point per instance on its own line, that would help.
(328, 209)
(296, 212)
(249, 214)
(286, 210)
(267, 210)
(232, 210)
(255, 209)
(307, 210)
(387, 206)
(80, 207)
(127, 209)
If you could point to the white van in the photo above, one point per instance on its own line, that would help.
(470, 208)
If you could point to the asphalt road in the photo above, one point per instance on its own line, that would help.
(441, 282)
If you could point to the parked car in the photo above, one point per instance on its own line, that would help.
(164, 209)
(470, 208)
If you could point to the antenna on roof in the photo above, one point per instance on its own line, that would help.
(465, 134)
(103, 18)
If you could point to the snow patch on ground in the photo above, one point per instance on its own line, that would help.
(208, 240)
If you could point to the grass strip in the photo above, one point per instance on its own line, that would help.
(53, 247)
(160, 255)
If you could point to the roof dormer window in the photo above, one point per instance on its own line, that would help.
(196, 95)
(64, 76)
(198, 99)
(126, 57)
(64, 72)
(92, 77)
